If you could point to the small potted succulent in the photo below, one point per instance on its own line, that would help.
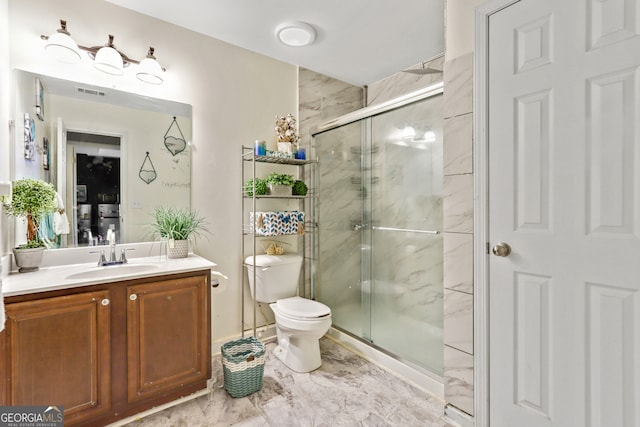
(280, 184)
(178, 225)
(31, 199)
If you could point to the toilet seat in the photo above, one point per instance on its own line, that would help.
(301, 308)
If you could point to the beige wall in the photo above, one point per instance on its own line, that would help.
(235, 95)
(5, 78)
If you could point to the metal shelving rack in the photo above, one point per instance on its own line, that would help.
(307, 204)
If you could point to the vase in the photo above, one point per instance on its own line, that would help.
(28, 259)
(177, 249)
(280, 190)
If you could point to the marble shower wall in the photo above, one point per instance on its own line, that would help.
(402, 82)
(321, 98)
(458, 232)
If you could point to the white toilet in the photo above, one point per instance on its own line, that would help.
(300, 322)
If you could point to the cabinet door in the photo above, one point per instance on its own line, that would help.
(57, 352)
(167, 336)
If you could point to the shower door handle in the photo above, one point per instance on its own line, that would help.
(358, 226)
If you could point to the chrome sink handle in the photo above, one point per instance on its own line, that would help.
(123, 255)
(103, 260)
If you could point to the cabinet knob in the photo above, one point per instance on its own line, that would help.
(133, 297)
(105, 301)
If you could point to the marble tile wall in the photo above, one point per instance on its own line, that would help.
(458, 232)
(402, 82)
(322, 98)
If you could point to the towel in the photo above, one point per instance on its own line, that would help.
(60, 220)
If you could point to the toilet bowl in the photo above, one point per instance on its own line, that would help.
(300, 322)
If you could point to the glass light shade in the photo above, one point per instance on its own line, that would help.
(296, 34)
(429, 136)
(149, 71)
(408, 132)
(109, 61)
(62, 47)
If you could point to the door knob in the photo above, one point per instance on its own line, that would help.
(501, 249)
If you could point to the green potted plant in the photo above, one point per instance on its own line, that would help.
(280, 184)
(300, 188)
(261, 187)
(30, 198)
(178, 225)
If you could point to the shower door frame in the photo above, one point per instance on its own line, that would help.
(362, 114)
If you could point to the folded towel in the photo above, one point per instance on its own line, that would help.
(60, 220)
(60, 223)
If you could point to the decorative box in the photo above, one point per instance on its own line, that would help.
(277, 223)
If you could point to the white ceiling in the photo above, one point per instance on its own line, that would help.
(358, 41)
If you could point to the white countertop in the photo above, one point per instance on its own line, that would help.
(76, 275)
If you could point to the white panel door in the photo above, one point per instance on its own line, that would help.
(564, 193)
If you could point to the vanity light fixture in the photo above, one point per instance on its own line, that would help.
(408, 132)
(105, 58)
(296, 34)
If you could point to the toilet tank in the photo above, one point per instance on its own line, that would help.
(277, 276)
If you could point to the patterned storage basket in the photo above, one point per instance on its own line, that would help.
(277, 223)
(243, 366)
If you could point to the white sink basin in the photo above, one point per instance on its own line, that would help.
(112, 271)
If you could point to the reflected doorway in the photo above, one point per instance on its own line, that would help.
(96, 187)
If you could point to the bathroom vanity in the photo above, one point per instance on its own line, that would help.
(107, 342)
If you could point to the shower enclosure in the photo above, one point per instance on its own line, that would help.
(380, 174)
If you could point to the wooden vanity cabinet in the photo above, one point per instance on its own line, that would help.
(167, 330)
(58, 353)
(108, 351)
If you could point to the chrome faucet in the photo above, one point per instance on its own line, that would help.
(112, 257)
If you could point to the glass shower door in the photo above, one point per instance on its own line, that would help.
(343, 268)
(379, 242)
(407, 253)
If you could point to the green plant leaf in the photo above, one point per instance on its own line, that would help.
(177, 223)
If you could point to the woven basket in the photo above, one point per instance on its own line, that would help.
(243, 366)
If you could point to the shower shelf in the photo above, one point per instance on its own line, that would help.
(252, 242)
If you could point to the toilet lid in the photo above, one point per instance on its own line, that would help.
(302, 307)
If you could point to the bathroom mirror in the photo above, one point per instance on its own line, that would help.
(112, 156)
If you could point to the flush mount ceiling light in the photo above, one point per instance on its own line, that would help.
(296, 34)
(106, 58)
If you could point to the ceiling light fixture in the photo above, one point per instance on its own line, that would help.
(106, 58)
(296, 34)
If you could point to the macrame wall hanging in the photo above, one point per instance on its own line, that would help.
(147, 171)
(174, 139)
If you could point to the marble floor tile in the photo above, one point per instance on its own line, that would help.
(346, 391)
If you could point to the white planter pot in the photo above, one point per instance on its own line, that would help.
(280, 190)
(28, 259)
(178, 249)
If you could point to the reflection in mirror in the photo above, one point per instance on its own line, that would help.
(112, 157)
